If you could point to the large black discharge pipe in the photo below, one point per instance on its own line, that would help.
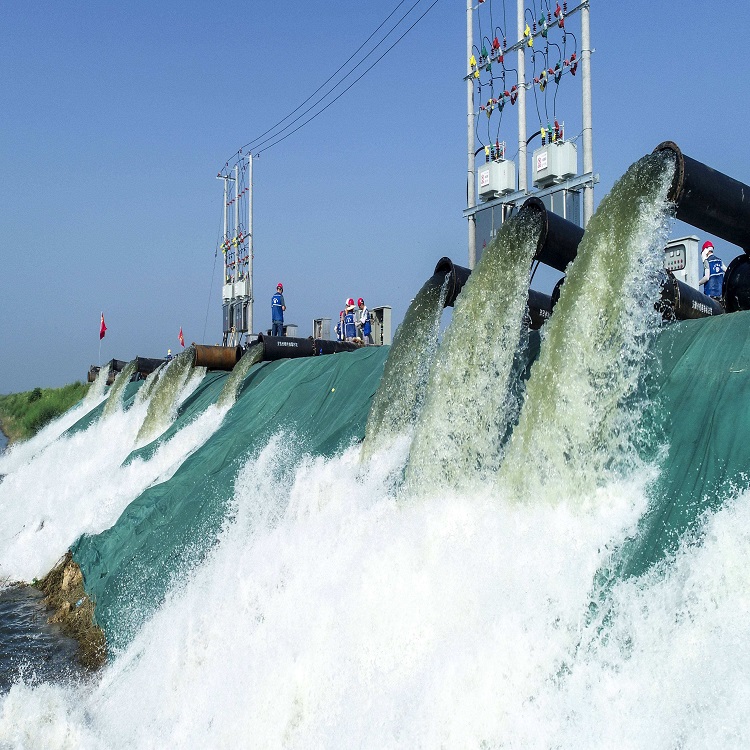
(736, 290)
(559, 238)
(681, 302)
(709, 200)
(288, 347)
(557, 246)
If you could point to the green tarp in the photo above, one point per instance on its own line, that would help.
(699, 381)
(323, 401)
(701, 391)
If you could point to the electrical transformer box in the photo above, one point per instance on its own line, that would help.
(242, 288)
(227, 292)
(554, 163)
(682, 258)
(496, 178)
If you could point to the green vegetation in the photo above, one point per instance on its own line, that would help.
(24, 414)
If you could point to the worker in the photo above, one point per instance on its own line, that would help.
(713, 272)
(350, 326)
(169, 354)
(364, 327)
(277, 311)
(340, 327)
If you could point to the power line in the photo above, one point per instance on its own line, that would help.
(352, 83)
(328, 80)
(255, 142)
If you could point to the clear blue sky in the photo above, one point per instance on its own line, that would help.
(116, 117)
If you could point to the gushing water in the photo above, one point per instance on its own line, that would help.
(20, 453)
(401, 392)
(79, 484)
(114, 402)
(168, 390)
(468, 403)
(579, 421)
(331, 615)
(231, 388)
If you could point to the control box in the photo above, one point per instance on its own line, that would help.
(381, 325)
(322, 328)
(682, 257)
(555, 163)
(496, 178)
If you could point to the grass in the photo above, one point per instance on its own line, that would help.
(22, 415)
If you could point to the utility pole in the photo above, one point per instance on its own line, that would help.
(250, 243)
(471, 187)
(588, 135)
(523, 183)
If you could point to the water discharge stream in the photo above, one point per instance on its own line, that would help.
(470, 401)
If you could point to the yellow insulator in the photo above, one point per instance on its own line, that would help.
(473, 61)
(476, 74)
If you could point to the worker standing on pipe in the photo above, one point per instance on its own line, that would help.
(364, 327)
(277, 311)
(350, 326)
(713, 272)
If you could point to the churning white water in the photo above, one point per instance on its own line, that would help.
(20, 453)
(77, 484)
(331, 614)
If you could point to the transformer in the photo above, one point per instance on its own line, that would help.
(555, 163)
(496, 178)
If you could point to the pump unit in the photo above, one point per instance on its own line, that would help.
(381, 325)
(496, 178)
(322, 328)
(682, 258)
(555, 163)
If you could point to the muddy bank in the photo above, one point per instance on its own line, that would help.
(74, 611)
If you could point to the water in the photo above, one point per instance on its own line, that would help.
(470, 401)
(399, 397)
(577, 426)
(21, 453)
(337, 609)
(31, 651)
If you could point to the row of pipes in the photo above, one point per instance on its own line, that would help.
(706, 199)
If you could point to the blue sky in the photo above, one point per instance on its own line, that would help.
(115, 119)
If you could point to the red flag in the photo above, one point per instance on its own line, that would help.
(181, 337)
(103, 329)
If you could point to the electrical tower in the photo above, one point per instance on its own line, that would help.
(497, 77)
(237, 249)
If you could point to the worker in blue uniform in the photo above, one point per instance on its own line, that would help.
(277, 311)
(713, 272)
(350, 324)
(364, 327)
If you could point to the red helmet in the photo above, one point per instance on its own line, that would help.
(360, 301)
(349, 302)
(280, 286)
(707, 244)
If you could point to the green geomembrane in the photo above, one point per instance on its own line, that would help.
(701, 392)
(321, 403)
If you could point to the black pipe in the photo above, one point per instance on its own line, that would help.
(540, 308)
(559, 238)
(146, 365)
(328, 346)
(709, 200)
(287, 347)
(458, 277)
(681, 302)
(736, 289)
